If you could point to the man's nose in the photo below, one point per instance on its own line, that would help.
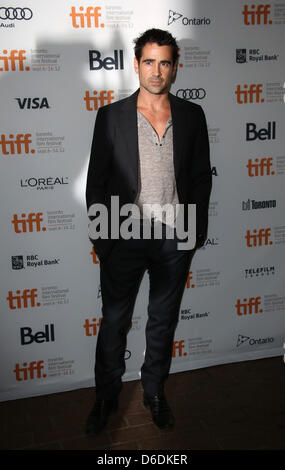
(157, 70)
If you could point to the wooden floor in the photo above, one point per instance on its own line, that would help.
(233, 406)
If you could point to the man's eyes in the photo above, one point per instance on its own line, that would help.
(164, 64)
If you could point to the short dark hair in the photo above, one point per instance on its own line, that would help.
(158, 36)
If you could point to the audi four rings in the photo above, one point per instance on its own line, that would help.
(191, 94)
(15, 13)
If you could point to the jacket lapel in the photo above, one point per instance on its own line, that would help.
(178, 122)
(129, 127)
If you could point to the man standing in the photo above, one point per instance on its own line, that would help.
(150, 148)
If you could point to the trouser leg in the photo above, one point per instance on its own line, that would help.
(121, 274)
(168, 271)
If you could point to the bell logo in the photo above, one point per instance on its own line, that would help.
(25, 299)
(260, 167)
(256, 14)
(27, 337)
(92, 327)
(249, 95)
(14, 61)
(258, 237)
(109, 63)
(262, 134)
(29, 371)
(87, 17)
(188, 283)
(178, 346)
(95, 102)
(248, 306)
(28, 222)
(16, 145)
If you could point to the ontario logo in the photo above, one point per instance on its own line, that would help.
(174, 16)
(247, 340)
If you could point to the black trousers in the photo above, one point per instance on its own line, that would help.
(121, 274)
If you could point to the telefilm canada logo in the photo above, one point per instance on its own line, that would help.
(174, 16)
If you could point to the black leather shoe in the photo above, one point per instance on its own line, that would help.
(160, 410)
(99, 415)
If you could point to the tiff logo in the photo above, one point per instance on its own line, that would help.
(87, 17)
(260, 167)
(249, 95)
(178, 346)
(92, 327)
(16, 145)
(258, 14)
(258, 237)
(248, 306)
(29, 371)
(189, 284)
(28, 223)
(25, 299)
(94, 102)
(14, 61)
(95, 259)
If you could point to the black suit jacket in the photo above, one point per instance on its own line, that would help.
(114, 160)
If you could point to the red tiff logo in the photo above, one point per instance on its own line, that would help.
(92, 327)
(94, 102)
(23, 299)
(28, 222)
(260, 166)
(258, 237)
(249, 94)
(189, 284)
(248, 306)
(16, 144)
(177, 348)
(86, 17)
(29, 371)
(13, 61)
(256, 14)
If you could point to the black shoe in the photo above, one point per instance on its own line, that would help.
(99, 415)
(160, 410)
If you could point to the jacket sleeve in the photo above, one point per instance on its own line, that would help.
(98, 175)
(201, 178)
(99, 169)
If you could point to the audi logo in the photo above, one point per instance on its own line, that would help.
(191, 94)
(127, 354)
(15, 13)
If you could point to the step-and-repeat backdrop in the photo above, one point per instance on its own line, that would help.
(60, 61)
